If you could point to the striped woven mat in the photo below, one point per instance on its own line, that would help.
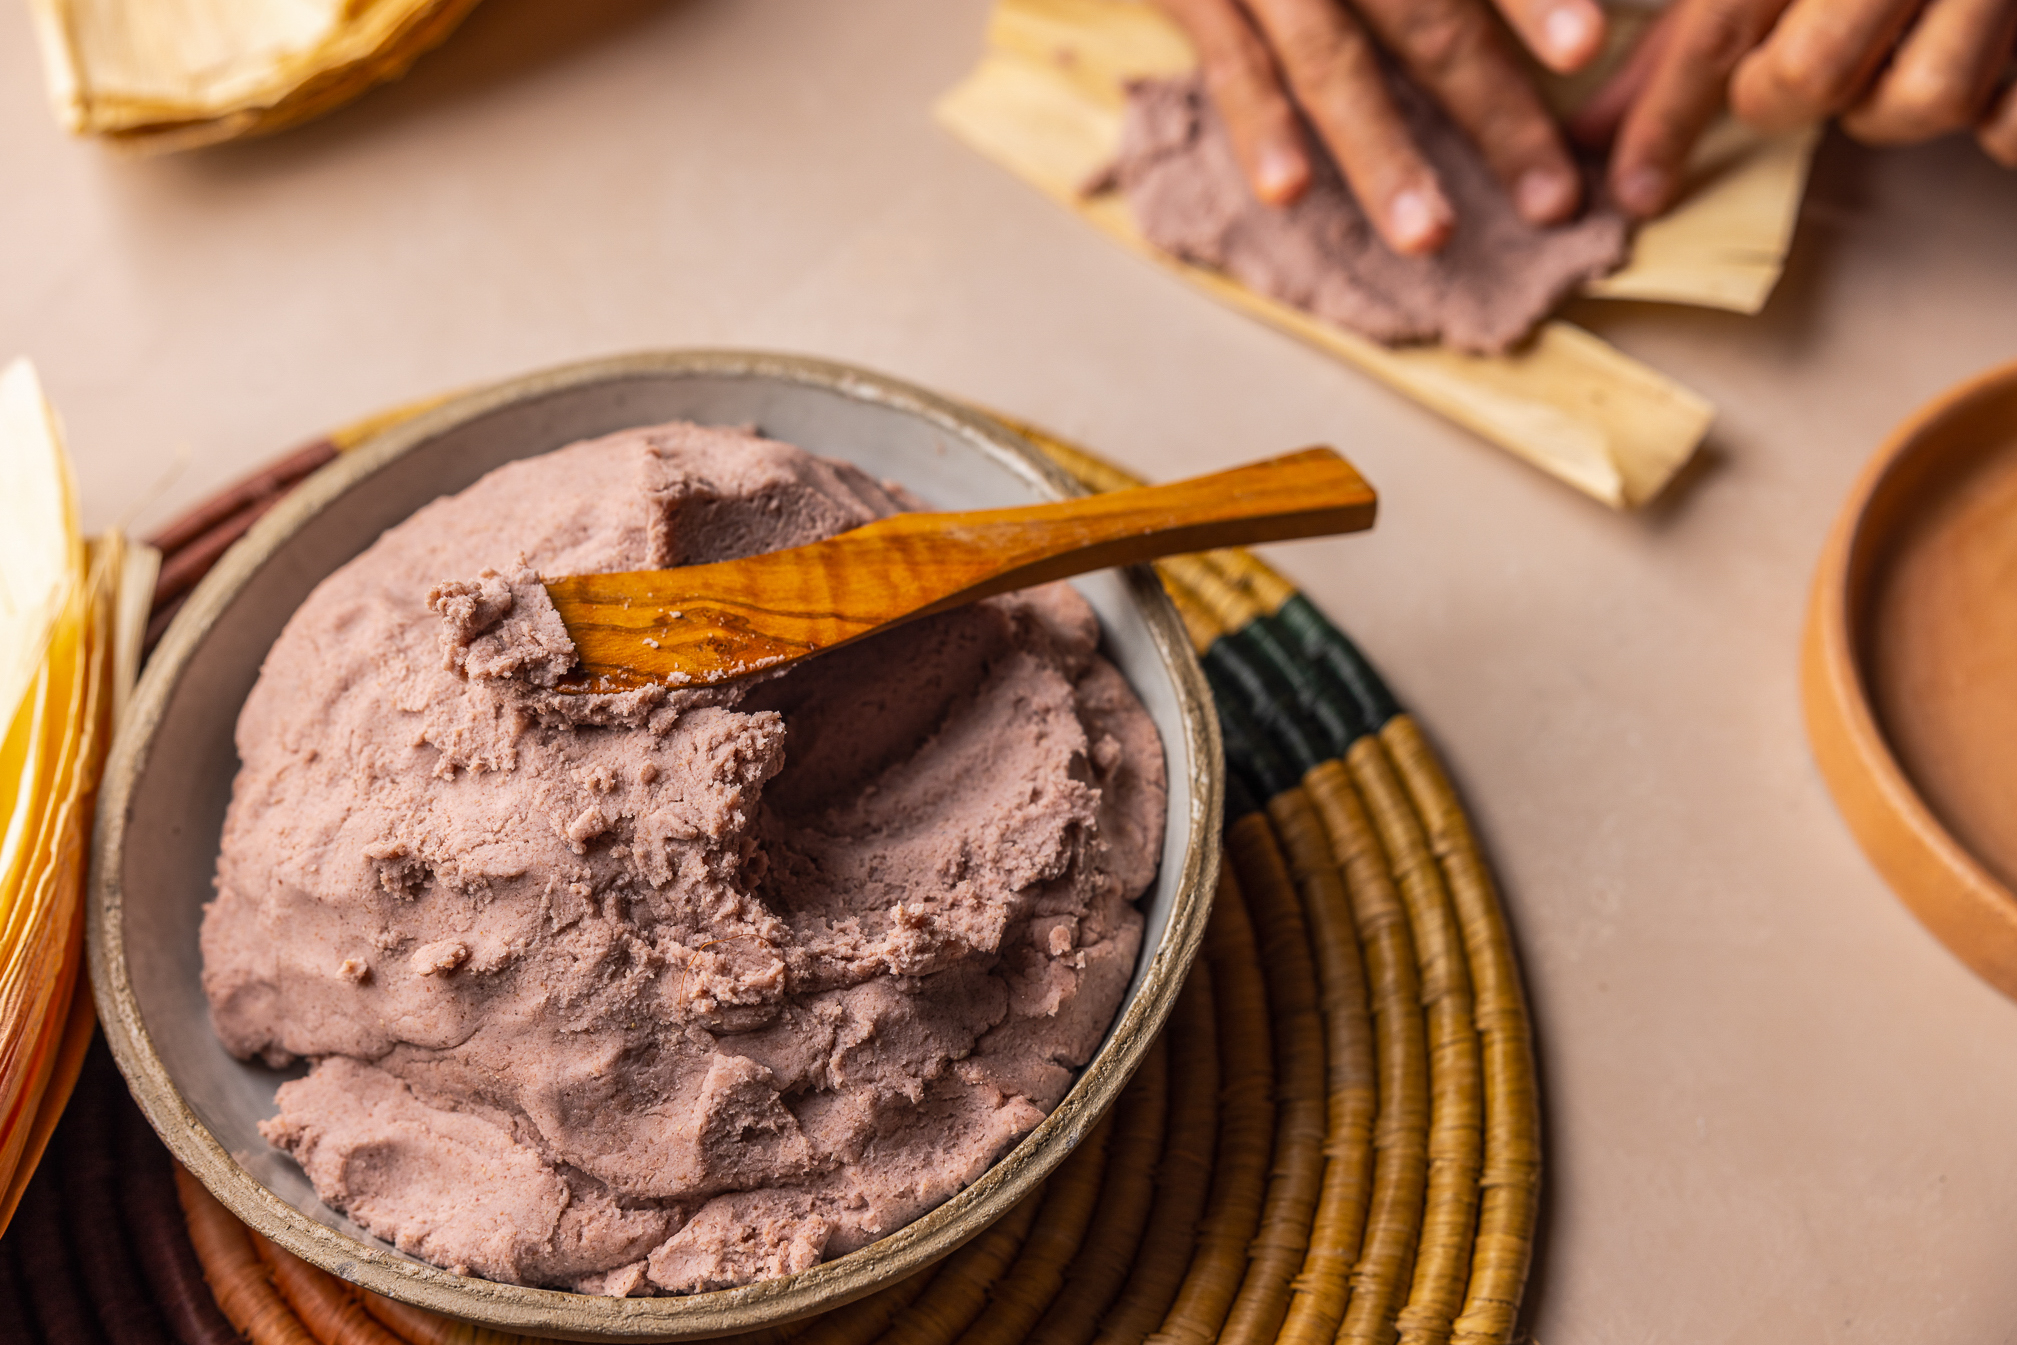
(1336, 1139)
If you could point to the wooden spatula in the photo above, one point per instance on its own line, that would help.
(707, 623)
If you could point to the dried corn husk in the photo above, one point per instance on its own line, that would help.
(1045, 102)
(1725, 245)
(39, 549)
(65, 638)
(170, 74)
(71, 615)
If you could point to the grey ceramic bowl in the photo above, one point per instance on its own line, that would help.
(169, 779)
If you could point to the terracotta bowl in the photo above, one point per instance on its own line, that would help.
(1909, 670)
(170, 777)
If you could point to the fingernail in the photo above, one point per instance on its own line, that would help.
(1567, 33)
(1545, 195)
(1280, 175)
(1642, 190)
(1417, 219)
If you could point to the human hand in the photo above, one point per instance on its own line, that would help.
(1259, 55)
(1894, 71)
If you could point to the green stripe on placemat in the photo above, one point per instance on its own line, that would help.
(1458, 1137)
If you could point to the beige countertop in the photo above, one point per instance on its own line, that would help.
(1776, 1109)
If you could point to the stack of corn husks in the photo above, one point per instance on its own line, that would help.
(169, 74)
(71, 614)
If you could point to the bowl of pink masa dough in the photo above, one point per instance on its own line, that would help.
(657, 1015)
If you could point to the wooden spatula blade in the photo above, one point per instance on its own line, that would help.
(687, 633)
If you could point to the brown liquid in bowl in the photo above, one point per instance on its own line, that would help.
(1941, 651)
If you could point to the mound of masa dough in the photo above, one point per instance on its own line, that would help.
(1496, 277)
(675, 989)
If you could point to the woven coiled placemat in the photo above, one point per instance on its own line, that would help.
(1337, 1137)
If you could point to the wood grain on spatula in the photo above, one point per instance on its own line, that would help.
(707, 623)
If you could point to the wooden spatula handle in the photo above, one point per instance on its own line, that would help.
(1307, 494)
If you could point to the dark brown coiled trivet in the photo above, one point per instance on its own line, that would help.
(99, 1253)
